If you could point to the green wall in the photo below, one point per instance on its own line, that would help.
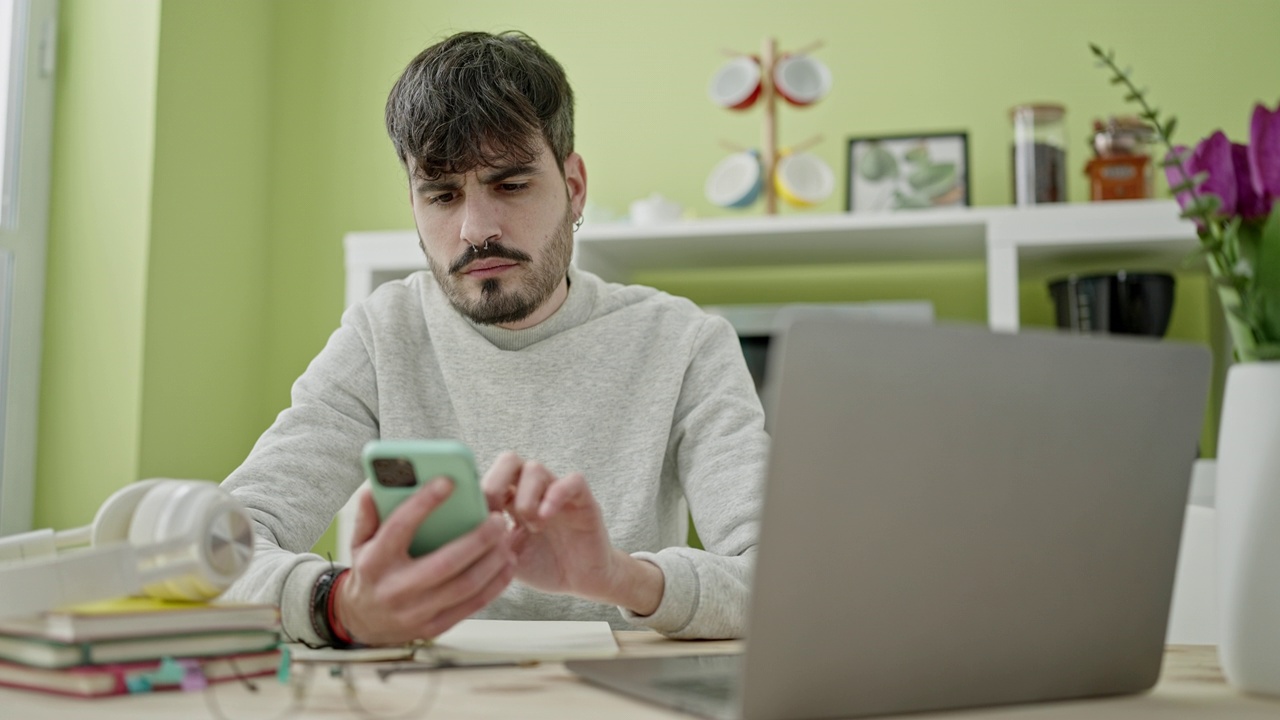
(154, 324)
(644, 124)
(95, 297)
(199, 204)
(206, 286)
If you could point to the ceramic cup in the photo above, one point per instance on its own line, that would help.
(736, 181)
(654, 210)
(736, 85)
(1126, 303)
(801, 79)
(803, 180)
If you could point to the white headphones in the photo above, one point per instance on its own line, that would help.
(174, 539)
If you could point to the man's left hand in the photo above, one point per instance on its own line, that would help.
(560, 539)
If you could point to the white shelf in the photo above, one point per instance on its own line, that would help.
(1014, 242)
(1056, 239)
(617, 251)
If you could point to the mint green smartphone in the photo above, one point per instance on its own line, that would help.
(398, 468)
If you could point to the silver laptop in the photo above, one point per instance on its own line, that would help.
(953, 518)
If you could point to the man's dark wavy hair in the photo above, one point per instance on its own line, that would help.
(478, 99)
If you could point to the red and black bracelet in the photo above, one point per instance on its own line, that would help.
(324, 619)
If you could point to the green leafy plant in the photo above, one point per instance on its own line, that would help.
(1232, 192)
(877, 164)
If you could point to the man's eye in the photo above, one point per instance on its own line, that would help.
(513, 187)
(441, 199)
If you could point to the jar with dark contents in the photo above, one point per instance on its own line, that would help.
(1039, 154)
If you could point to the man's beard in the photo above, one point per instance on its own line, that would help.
(505, 300)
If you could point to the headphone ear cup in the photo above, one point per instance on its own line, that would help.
(112, 521)
(150, 512)
(208, 529)
(226, 541)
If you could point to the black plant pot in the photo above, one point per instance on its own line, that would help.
(1124, 303)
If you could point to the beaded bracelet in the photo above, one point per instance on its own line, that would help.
(331, 611)
(320, 604)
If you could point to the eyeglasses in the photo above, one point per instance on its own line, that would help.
(383, 690)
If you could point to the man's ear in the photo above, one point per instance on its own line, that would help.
(575, 178)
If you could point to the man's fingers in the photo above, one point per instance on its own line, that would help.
(411, 613)
(449, 575)
(366, 519)
(448, 618)
(397, 530)
(471, 582)
(432, 571)
(517, 536)
(570, 489)
(499, 482)
(534, 481)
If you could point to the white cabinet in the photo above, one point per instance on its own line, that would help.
(1015, 243)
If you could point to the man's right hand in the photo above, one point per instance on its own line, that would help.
(391, 598)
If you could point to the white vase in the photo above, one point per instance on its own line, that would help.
(1248, 518)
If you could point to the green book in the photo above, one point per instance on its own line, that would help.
(45, 653)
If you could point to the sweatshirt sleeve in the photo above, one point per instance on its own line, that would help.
(302, 471)
(718, 446)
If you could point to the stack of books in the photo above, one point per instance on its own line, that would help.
(137, 645)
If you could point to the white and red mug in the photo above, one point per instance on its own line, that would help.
(801, 79)
(736, 85)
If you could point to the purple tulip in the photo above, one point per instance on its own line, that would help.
(1249, 202)
(1213, 156)
(1264, 152)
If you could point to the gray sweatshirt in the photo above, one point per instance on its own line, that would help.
(643, 393)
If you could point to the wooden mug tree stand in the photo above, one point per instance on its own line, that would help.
(769, 137)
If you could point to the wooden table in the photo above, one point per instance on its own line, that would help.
(1191, 687)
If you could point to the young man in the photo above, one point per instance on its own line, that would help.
(595, 410)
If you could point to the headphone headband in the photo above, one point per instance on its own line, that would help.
(176, 539)
(82, 576)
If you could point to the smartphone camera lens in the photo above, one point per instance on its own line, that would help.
(395, 472)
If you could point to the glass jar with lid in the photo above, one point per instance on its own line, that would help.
(1121, 167)
(1039, 153)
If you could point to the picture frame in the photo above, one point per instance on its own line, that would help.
(889, 173)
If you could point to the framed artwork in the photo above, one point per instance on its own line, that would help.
(908, 172)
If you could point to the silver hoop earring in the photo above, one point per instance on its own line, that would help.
(578, 223)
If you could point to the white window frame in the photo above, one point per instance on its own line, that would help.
(24, 222)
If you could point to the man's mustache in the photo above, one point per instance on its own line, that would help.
(489, 250)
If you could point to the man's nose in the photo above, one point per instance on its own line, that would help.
(481, 220)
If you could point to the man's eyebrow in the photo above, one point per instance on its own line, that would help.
(492, 177)
(500, 174)
(440, 184)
